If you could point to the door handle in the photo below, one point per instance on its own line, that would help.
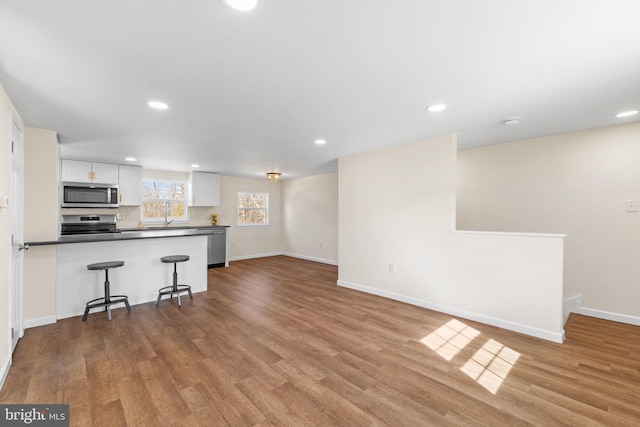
(23, 247)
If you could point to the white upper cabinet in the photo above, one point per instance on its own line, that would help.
(130, 185)
(75, 171)
(97, 173)
(104, 173)
(204, 189)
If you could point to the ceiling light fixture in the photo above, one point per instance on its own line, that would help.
(320, 141)
(242, 5)
(627, 113)
(130, 159)
(274, 176)
(436, 108)
(158, 105)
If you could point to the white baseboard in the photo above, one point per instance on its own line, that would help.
(33, 323)
(557, 337)
(5, 371)
(268, 254)
(310, 258)
(571, 305)
(608, 315)
(574, 305)
(263, 255)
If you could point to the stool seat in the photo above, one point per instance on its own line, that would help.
(174, 258)
(175, 288)
(107, 300)
(105, 265)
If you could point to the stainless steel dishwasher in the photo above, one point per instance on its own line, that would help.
(217, 248)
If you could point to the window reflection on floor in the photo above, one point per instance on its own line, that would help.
(450, 338)
(489, 366)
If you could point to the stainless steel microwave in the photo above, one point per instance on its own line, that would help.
(84, 195)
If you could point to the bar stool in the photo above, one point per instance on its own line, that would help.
(108, 300)
(175, 288)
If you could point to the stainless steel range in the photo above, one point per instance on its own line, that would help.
(88, 224)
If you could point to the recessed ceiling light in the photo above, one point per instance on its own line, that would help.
(436, 107)
(627, 113)
(158, 105)
(243, 5)
(320, 141)
(195, 165)
(130, 159)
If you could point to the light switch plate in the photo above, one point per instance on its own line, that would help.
(4, 201)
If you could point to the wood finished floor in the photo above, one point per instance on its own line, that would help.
(275, 341)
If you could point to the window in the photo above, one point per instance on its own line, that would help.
(163, 197)
(253, 208)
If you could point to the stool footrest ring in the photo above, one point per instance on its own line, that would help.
(103, 302)
(174, 289)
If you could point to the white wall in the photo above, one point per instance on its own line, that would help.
(40, 224)
(250, 242)
(397, 210)
(310, 218)
(575, 183)
(5, 233)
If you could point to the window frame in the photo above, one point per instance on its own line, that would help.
(265, 209)
(160, 220)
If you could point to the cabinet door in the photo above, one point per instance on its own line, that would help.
(75, 171)
(104, 173)
(130, 185)
(204, 189)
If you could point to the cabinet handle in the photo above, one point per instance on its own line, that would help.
(89, 175)
(120, 198)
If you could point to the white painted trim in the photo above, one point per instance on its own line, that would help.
(505, 233)
(574, 305)
(608, 315)
(571, 305)
(310, 258)
(263, 255)
(557, 337)
(4, 372)
(33, 323)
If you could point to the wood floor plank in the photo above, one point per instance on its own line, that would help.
(202, 405)
(274, 342)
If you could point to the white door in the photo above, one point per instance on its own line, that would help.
(17, 228)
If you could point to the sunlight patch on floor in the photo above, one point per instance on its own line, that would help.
(449, 339)
(491, 364)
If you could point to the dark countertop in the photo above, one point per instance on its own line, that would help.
(134, 234)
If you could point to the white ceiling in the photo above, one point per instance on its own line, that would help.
(250, 92)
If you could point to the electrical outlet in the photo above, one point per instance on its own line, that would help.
(320, 244)
(392, 268)
(120, 215)
(632, 206)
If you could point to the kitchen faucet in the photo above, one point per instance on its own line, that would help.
(167, 208)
